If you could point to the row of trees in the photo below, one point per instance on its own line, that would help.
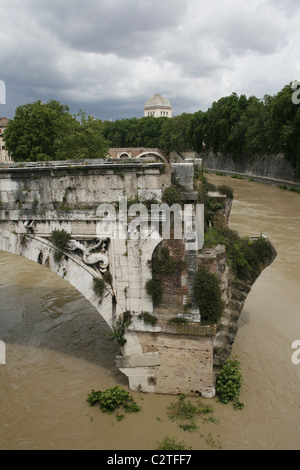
(234, 125)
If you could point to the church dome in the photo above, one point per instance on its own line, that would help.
(158, 106)
(158, 101)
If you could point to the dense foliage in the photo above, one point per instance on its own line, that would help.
(49, 132)
(246, 257)
(229, 382)
(60, 238)
(113, 399)
(234, 125)
(207, 294)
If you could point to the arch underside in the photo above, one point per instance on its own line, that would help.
(152, 153)
(70, 268)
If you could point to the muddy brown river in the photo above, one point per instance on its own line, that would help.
(56, 352)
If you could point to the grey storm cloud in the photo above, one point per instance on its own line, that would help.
(126, 28)
(108, 57)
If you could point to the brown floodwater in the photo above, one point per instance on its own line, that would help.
(56, 352)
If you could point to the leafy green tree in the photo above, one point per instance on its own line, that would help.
(82, 139)
(283, 125)
(220, 120)
(48, 131)
(29, 136)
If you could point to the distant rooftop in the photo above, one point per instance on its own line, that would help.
(158, 101)
(3, 122)
(158, 106)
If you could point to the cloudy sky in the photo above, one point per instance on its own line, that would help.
(107, 57)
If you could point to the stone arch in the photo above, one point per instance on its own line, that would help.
(152, 152)
(72, 270)
(124, 154)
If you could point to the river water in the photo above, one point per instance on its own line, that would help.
(57, 352)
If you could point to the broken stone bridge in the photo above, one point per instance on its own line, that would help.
(38, 199)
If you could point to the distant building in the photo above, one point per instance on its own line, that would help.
(4, 156)
(158, 106)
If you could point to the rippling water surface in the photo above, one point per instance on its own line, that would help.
(56, 352)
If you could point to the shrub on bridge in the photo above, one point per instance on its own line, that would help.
(155, 289)
(60, 238)
(172, 195)
(207, 294)
(98, 286)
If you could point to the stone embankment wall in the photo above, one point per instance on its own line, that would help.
(269, 167)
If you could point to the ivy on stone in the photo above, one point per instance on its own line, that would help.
(207, 293)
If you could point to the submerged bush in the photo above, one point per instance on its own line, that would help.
(185, 412)
(170, 443)
(112, 399)
(229, 382)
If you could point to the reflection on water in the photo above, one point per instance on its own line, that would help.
(57, 352)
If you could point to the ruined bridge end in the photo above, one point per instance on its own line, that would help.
(38, 199)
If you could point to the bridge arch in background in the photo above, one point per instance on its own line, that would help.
(152, 152)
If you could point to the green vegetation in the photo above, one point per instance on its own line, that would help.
(172, 195)
(48, 131)
(170, 443)
(229, 383)
(117, 333)
(185, 412)
(99, 286)
(60, 238)
(227, 190)
(290, 188)
(234, 125)
(207, 295)
(155, 289)
(163, 264)
(112, 400)
(148, 318)
(58, 256)
(244, 256)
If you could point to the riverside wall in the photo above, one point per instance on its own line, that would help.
(269, 168)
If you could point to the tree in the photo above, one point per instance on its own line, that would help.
(283, 125)
(82, 139)
(48, 131)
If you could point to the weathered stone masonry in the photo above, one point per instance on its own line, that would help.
(37, 199)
